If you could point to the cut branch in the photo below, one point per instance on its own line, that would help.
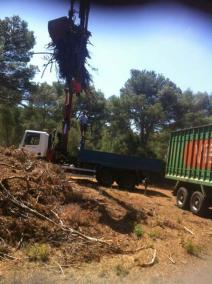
(171, 259)
(60, 267)
(6, 165)
(151, 262)
(188, 230)
(49, 53)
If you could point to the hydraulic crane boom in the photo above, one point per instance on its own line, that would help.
(69, 42)
(74, 84)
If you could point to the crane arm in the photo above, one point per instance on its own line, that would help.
(69, 43)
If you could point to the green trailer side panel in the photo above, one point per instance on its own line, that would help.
(190, 155)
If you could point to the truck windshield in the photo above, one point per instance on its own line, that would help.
(32, 139)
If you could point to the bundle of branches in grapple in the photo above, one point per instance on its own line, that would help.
(69, 44)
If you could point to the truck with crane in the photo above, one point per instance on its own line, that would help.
(126, 171)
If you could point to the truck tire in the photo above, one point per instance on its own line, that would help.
(127, 181)
(198, 203)
(104, 177)
(182, 198)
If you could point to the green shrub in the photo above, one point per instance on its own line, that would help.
(121, 271)
(138, 231)
(192, 248)
(38, 252)
(154, 235)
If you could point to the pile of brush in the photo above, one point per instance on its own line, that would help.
(32, 194)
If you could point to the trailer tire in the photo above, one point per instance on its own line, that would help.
(198, 203)
(127, 181)
(182, 198)
(104, 177)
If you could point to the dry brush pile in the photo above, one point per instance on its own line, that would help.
(29, 191)
(39, 205)
(32, 193)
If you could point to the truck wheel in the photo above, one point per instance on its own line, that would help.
(104, 177)
(182, 198)
(127, 181)
(198, 204)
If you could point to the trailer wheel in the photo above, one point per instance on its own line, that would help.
(104, 177)
(198, 204)
(127, 181)
(182, 198)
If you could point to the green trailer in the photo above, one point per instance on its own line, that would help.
(189, 162)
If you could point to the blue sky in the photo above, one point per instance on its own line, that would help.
(169, 39)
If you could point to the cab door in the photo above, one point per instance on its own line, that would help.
(32, 142)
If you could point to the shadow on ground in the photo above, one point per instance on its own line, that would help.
(150, 191)
(124, 224)
(208, 214)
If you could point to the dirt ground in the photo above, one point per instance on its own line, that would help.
(149, 240)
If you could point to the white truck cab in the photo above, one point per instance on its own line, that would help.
(36, 142)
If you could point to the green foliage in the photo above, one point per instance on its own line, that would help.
(16, 42)
(195, 110)
(121, 271)
(154, 235)
(45, 107)
(158, 143)
(74, 138)
(151, 101)
(13, 129)
(38, 252)
(44, 102)
(138, 231)
(117, 135)
(95, 104)
(7, 123)
(149, 108)
(138, 122)
(192, 248)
